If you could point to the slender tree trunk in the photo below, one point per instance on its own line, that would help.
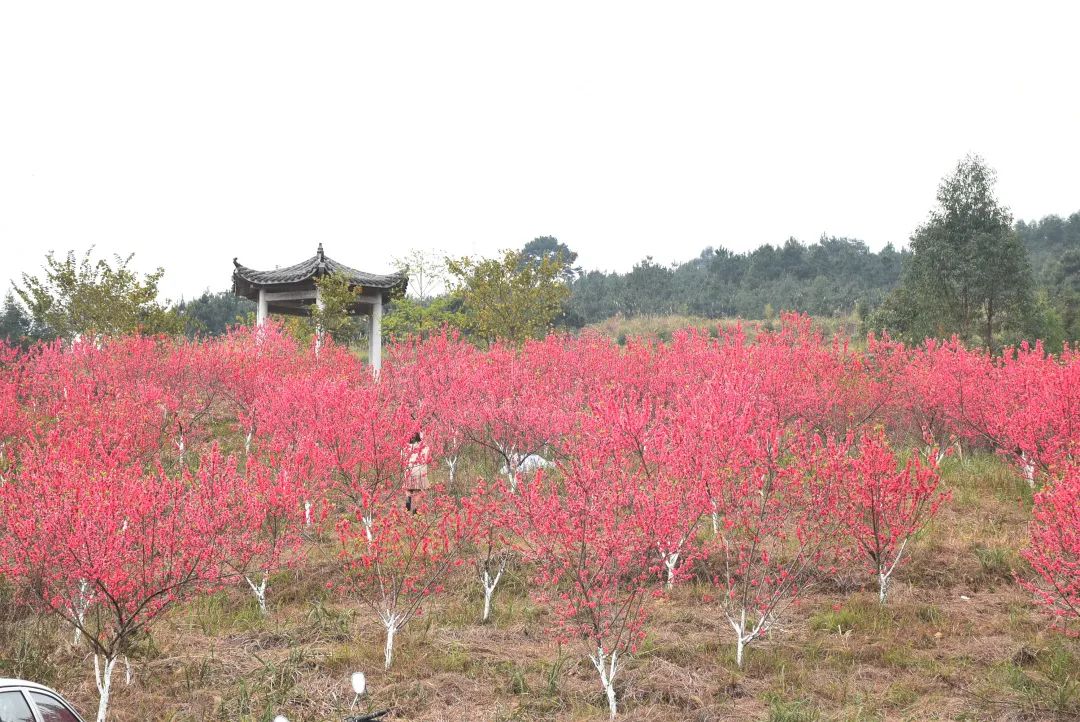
(884, 575)
(392, 623)
(490, 583)
(669, 562)
(260, 591)
(742, 637)
(388, 655)
(1029, 469)
(81, 605)
(607, 667)
(103, 680)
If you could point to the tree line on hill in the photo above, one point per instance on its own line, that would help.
(969, 270)
(831, 276)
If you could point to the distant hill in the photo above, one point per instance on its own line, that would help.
(831, 277)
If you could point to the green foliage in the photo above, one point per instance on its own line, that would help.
(81, 296)
(211, 314)
(411, 316)
(427, 308)
(333, 314)
(14, 323)
(509, 298)
(968, 273)
(549, 247)
(826, 278)
(1053, 245)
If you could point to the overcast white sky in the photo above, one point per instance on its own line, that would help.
(199, 131)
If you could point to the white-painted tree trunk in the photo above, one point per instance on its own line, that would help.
(247, 443)
(451, 463)
(307, 513)
(391, 622)
(670, 562)
(885, 574)
(715, 515)
(513, 462)
(103, 680)
(127, 671)
(490, 583)
(180, 448)
(743, 637)
(607, 667)
(260, 591)
(369, 523)
(1029, 470)
(80, 607)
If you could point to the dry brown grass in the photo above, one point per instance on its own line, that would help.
(959, 640)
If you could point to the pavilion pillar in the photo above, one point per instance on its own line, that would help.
(262, 312)
(318, 328)
(375, 334)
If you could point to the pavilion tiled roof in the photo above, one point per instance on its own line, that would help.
(318, 265)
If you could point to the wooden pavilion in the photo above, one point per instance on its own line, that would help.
(292, 291)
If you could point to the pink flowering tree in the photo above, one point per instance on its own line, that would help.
(361, 437)
(109, 549)
(778, 513)
(1054, 552)
(519, 406)
(11, 416)
(490, 514)
(397, 563)
(266, 533)
(595, 566)
(883, 504)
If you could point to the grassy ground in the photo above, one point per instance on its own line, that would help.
(958, 640)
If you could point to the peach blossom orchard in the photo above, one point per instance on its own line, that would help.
(138, 473)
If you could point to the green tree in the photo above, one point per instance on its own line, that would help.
(212, 314)
(333, 315)
(413, 317)
(81, 296)
(549, 247)
(336, 315)
(509, 298)
(14, 323)
(968, 273)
